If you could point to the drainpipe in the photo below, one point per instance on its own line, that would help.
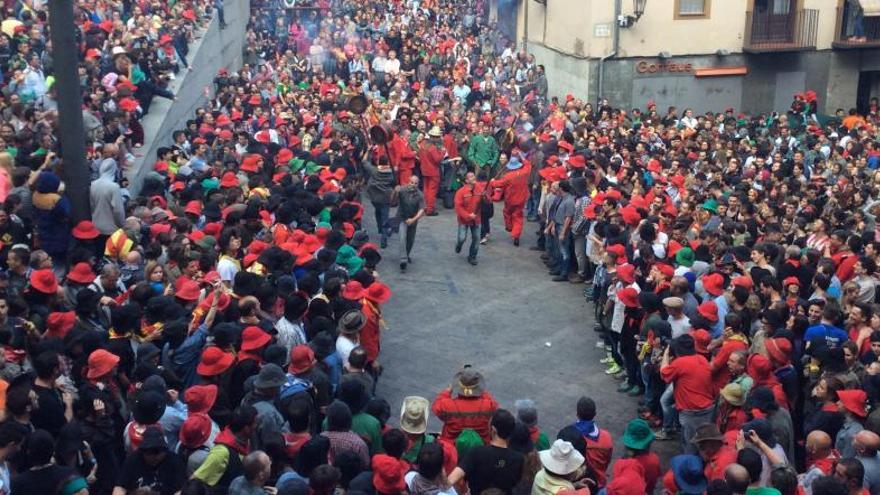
(525, 25)
(614, 49)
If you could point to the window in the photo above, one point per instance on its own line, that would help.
(692, 9)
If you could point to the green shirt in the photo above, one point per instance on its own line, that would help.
(413, 453)
(483, 151)
(763, 490)
(214, 466)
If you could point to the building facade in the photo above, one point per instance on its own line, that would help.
(705, 54)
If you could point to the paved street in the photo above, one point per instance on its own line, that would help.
(499, 316)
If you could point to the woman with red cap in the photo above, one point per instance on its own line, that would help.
(250, 357)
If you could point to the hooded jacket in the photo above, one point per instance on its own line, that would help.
(51, 214)
(108, 210)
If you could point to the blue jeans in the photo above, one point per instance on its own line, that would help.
(552, 247)
(667, 404)
(475, 239)
(690, 421)
(532, 202)
(382, 212)
(564, 250)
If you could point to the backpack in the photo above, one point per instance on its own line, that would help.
(294, 386)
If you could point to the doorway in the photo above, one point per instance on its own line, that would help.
(869, 86)
(774, 20)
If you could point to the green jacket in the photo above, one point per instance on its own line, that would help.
(483, 151)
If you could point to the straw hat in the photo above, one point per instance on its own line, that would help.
(414, 415)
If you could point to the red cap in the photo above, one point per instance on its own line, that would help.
(101, 362)
(778, 350)
(743, 281)
(388, 473)
(214, 361)
(629, 296)
(791, 280)
(714, 284)
(86, 231)
(195, 431)
(709, 310)
(189, 291)
(58, 323)
(44, 281)
(701, 340)
(302, 358)
(577, 161)
(229, 180)
(194, 207)
(253, 338)
(353, 291)
(626, 273)
(200, 398)
(81, 273)
(378, 293)
(854, 401)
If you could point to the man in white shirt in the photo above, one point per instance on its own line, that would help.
(350, 326)
(392, 64)
(679, 321)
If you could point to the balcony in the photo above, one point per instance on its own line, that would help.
(788, 32)
(847, 29)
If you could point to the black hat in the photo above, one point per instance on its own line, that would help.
(153, 439)
(148, 407)
(270, 376)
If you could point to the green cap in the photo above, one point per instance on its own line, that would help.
(685, 257)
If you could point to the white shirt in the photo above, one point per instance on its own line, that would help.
(392, 66)
(681, 326)
(290, 334)
(344, 346)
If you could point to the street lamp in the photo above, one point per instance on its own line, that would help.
(627, 21)
(639, 8)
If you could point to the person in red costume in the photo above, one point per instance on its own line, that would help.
(403, 159)
(467, 209)
(514, 185)
(431, 153)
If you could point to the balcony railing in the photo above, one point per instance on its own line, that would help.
(853, 33)
(769, 32)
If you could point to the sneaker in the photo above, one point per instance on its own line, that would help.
(431, 214)
(635, 391)
(575, 279)
(599, 343)
(458, 246)
(624, 387)
(560, 278)
(613, 369)
(485, 239)
(662, 435)
(383, 243)
(403, 266)
(545, 256)
(472, 261)
(606, 360)
(516, 241)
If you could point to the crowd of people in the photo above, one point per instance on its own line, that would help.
(220, 331)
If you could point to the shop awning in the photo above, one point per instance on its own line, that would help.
(871, 7)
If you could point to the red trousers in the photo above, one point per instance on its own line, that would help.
(513, 219)
(403, 175)
(432, 185)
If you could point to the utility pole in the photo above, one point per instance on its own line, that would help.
(74, 169)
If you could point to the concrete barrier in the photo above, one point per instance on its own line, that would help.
(216, 49)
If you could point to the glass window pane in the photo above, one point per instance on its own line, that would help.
(691, 7)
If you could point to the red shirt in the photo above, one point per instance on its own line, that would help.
(460, 413)
(599, 454)
(467, 201)
(720, 371)
(714, 468)
(515, 184)
(691, 376)
(651, 464)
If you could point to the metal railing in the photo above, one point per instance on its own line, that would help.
(847, 32)
(768, 32)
